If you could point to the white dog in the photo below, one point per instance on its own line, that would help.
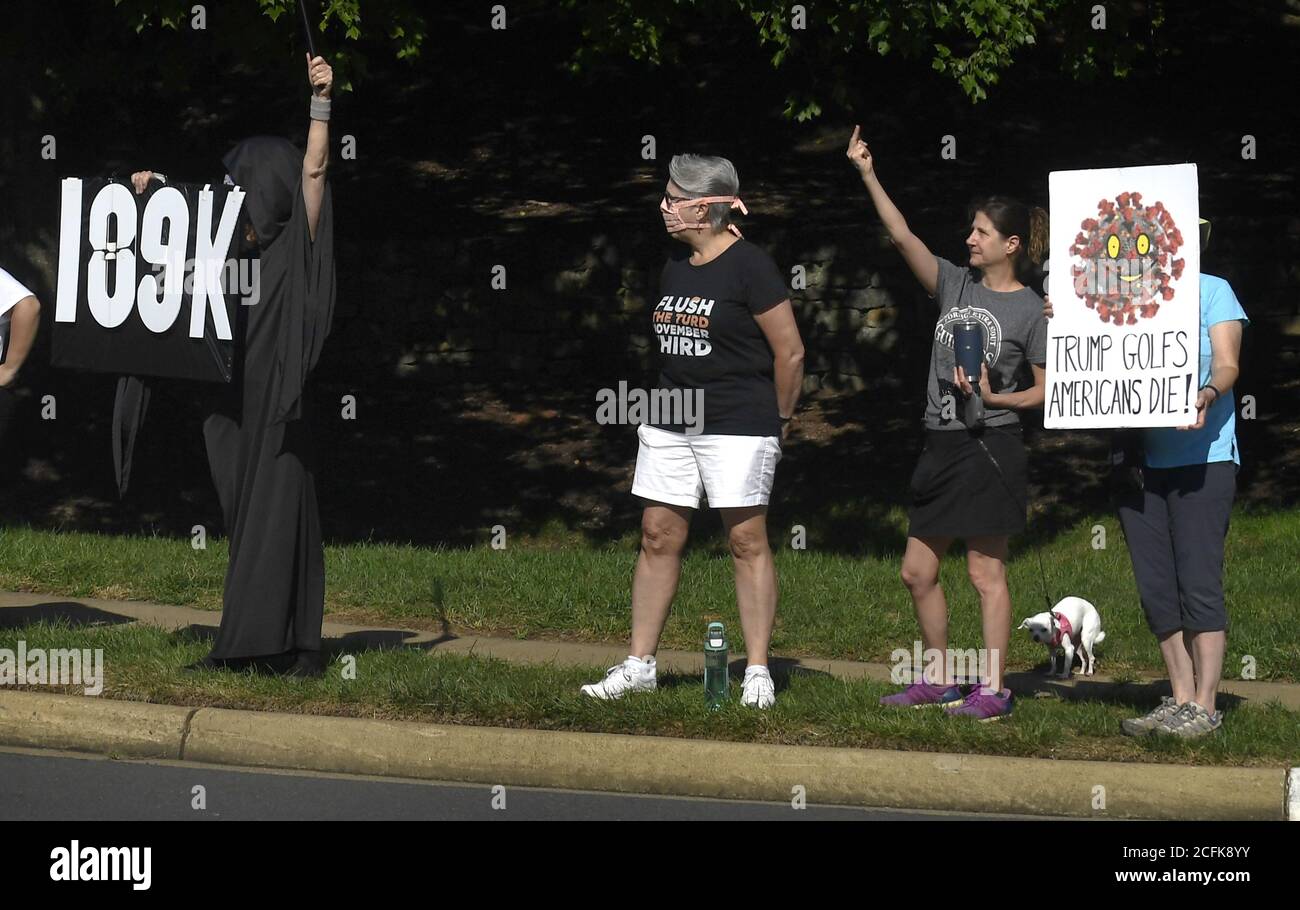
(1072, 624)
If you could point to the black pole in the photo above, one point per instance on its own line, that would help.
(306, 28)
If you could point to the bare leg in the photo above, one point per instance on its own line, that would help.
(986, 563)
(664, 529)
(920, 574)
(756, 591)
(1178, 661)
(1207, 661)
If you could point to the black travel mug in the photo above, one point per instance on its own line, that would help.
(968, 345)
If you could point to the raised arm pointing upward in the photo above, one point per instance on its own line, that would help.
(917, 255)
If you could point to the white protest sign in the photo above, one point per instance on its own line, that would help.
(1123, 345)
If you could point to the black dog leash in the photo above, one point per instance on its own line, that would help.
(1042, 573)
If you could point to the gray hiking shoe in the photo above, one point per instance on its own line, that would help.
(1191, 722)
(1142, 726)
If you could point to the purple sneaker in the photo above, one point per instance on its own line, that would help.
(984, 704)
(922, 695)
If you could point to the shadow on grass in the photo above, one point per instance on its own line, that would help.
(60, 613)
(363, 640)
(1142, 694)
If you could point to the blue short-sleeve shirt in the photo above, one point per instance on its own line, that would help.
(1167, 447)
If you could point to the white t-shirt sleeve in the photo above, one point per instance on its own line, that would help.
(10, 292)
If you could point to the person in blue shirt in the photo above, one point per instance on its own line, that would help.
(1176, 522)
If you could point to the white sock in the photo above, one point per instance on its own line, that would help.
(644, 666)
(754, 668)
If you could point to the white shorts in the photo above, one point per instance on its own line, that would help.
(677, 469)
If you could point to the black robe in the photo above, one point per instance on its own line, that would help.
(259, 446)
(258, 441)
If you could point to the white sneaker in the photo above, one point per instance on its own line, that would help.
(632, 675)
(758, 690)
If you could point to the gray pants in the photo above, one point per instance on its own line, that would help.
(1175, 527)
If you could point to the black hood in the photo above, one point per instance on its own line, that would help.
(269, 170)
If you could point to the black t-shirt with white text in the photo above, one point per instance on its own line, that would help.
(707, 338)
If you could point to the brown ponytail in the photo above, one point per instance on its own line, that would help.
(1037, 246)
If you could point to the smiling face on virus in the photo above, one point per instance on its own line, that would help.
(1126, 259)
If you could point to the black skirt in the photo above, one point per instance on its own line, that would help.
(958, 491)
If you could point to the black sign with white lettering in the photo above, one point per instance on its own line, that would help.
(148, 284)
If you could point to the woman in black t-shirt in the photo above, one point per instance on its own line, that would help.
(732, 372)
(970, 483)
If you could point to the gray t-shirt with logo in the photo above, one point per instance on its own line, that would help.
(1015, 332)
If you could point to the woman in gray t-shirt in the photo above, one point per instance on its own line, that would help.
(970, 482)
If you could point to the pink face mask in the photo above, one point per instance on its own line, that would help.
(673, 221)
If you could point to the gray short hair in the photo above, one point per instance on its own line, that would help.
(707, 175)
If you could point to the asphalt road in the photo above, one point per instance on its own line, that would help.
(56, 786)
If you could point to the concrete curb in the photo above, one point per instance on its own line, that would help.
(89, 724)
(646, 764)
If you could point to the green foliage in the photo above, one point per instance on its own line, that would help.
(1131, 33)
(401, 23)
(971, 41)
(815, 45)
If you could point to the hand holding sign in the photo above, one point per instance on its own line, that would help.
(1203, 401)
(140, 180)
(320, 75)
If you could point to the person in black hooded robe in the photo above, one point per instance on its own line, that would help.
(258, 442)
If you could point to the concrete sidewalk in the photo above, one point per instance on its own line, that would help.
(22, 607)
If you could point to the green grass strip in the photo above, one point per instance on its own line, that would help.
(143, 663)
(832, 605)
